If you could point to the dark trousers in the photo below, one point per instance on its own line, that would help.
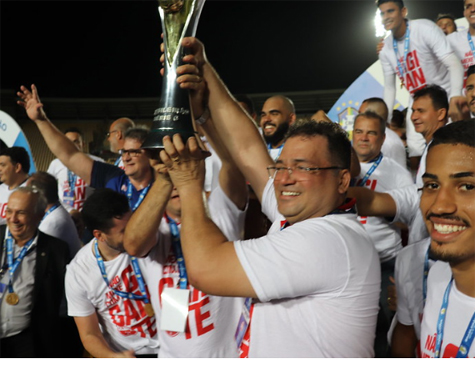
(21, 345)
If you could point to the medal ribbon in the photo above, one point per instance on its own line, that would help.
(176, 243)
(141, 197)
(402, 66)
(72, 178)
(424, 277)
(469, 335)
(13, 264)
(470, 42)
(117, 162)
(50, 210)
(373, 167)
(100, 263)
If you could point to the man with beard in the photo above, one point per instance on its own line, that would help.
(278, 113)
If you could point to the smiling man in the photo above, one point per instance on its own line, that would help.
(417, 53)
(14, 169)
(315, 274)
(134, 181)
(448, 207)
(277, 115)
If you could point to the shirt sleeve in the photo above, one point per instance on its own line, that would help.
(78, 303)
(103, 172)
(276, 268)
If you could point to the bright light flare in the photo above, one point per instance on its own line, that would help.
(380, 31)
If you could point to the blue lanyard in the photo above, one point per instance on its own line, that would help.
(469, 335)
(50, 210)
(376, 163)
(117, 162)
(470, 42)
(72, 178)
(141, 197)
(402, 66)
(176, 243)
(138, 275)
(13, 264)
(269, 147)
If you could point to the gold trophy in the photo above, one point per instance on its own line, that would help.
(179, 19)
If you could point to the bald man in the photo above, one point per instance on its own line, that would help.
(116, 136)
(392, 146)
(277, 114)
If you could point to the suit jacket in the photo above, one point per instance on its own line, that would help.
(52, 256)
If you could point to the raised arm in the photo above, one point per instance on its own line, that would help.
(64, 149)
(206, 249)
(234, 126)
(140, 234)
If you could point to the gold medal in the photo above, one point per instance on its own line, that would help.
(149, 310)
(12, 298)
(402, 84)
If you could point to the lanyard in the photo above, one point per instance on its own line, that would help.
(72, 178)
(13, 264)
(470, 42)
(376, 163)
(469, 335)
(138, 275)
(424, 277)
(141, 197)
(50, 210)
(117, 162)
(176, 243)
(402, 66)
(269, 147)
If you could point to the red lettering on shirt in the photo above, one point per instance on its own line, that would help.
(3, 210)
(414, 75)
(198, 309)
(128, 314)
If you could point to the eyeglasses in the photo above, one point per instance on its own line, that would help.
(132, 153)
(110, 132)
(298, 172)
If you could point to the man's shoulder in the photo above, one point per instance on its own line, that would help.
(457, 37)
(55, 244)
(421, 23)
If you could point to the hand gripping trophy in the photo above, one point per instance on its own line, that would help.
(179, 19)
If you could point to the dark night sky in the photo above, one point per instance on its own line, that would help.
(111, 48)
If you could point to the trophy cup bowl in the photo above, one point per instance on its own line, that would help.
(179, 19)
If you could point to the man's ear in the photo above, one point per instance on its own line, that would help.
(344, 183)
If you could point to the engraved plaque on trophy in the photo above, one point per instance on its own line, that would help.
(179, 19)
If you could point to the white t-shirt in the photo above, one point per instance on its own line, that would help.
(59, 224)
(409, 273)
(81, 190)
(124, 323)
(459, 43)
(212, 320)
(5, 193)
(459, 313)
(407, 201)
(428, 47)
(394, 148)
(213, 166)
(318, 282)
(387, 176)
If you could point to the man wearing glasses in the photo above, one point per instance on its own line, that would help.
(134, 180)
(315, 276)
